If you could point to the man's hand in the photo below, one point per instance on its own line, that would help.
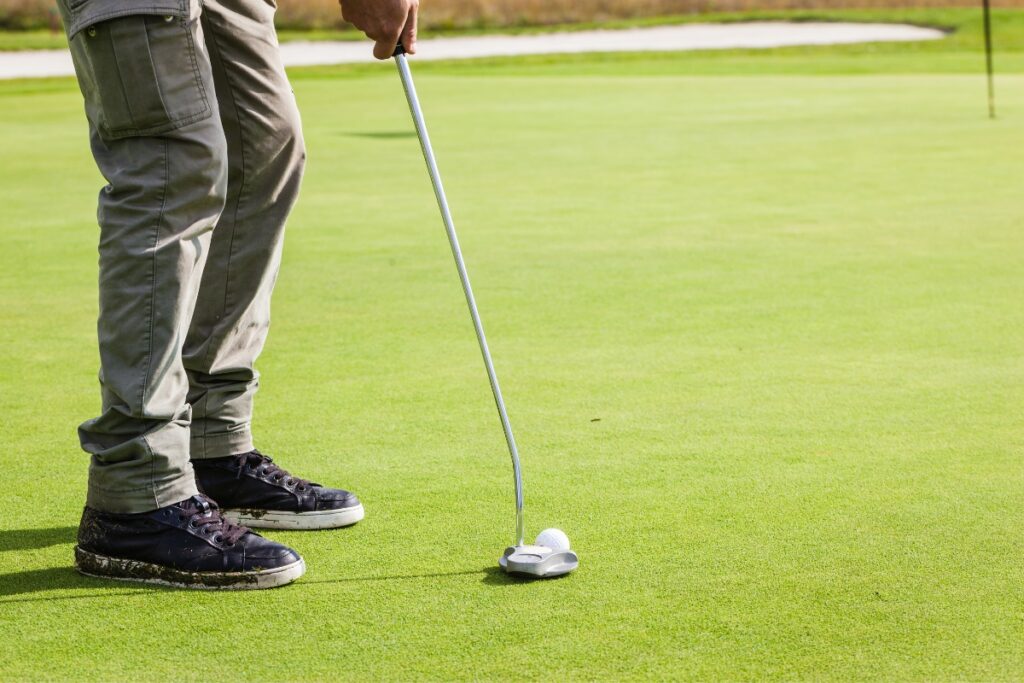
(385, 22)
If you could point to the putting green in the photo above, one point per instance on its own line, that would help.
(761, 342)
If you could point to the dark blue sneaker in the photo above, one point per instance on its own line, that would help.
(255, 491)
(188, 545)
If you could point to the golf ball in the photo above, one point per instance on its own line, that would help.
(554, 539)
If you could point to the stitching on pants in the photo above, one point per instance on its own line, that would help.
(240, 435)
(241, 182)
(161, 128)
(152, 471)
(95, 487)
(78, 23)
(195, 64)
(152, 281)
(217, 63)
(172, 121)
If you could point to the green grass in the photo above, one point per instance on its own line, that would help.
(32, 40)
(760, 337)
(959, 52)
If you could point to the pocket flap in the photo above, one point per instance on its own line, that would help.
(85, 13)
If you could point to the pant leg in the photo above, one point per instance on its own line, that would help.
(266, 158)
(157, 139)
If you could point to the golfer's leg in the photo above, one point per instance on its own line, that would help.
(266, 157)
(157, 139)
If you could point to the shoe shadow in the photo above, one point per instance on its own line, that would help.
(31, 581)
(30, 539)
(62, 578)
(51, 578)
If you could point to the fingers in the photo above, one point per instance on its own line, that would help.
(409, 31)
(383, 49)
(384, 22)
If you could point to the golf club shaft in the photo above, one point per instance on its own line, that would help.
(989, 67)
(453, 240)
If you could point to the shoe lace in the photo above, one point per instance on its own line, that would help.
(264, 465)
(203, 514)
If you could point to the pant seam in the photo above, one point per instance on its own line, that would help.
(149, 487)
(229, 441)
(152, 470)
(217, 62)
(152, 284)
(223, 435)
(216, 48)
(195, 63)
(96, 487)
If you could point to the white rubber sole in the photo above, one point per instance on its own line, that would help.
(118, 569)
(278, 519)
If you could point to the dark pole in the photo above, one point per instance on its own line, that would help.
(987, 5)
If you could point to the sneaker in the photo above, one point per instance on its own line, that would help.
(188, 545)
(256, 492)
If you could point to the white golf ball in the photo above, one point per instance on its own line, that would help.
(553, 538)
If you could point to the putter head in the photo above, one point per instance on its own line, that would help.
(538, 561)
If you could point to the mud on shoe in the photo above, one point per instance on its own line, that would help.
(257, 492)
(187, 545)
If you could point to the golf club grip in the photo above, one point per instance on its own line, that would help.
(399, 49)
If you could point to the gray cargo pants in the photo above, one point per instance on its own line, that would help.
(194, 126)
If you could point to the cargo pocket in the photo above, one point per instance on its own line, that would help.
(137, 66)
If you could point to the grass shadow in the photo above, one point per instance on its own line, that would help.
(391, 577)
(30, 581)
(62, 578)
(51, 578)
(30, 539)
(496, 576)
(492, 576)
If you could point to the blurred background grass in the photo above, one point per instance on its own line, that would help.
(35, 24)
(483, 14)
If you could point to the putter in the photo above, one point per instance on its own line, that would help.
(528, 560)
